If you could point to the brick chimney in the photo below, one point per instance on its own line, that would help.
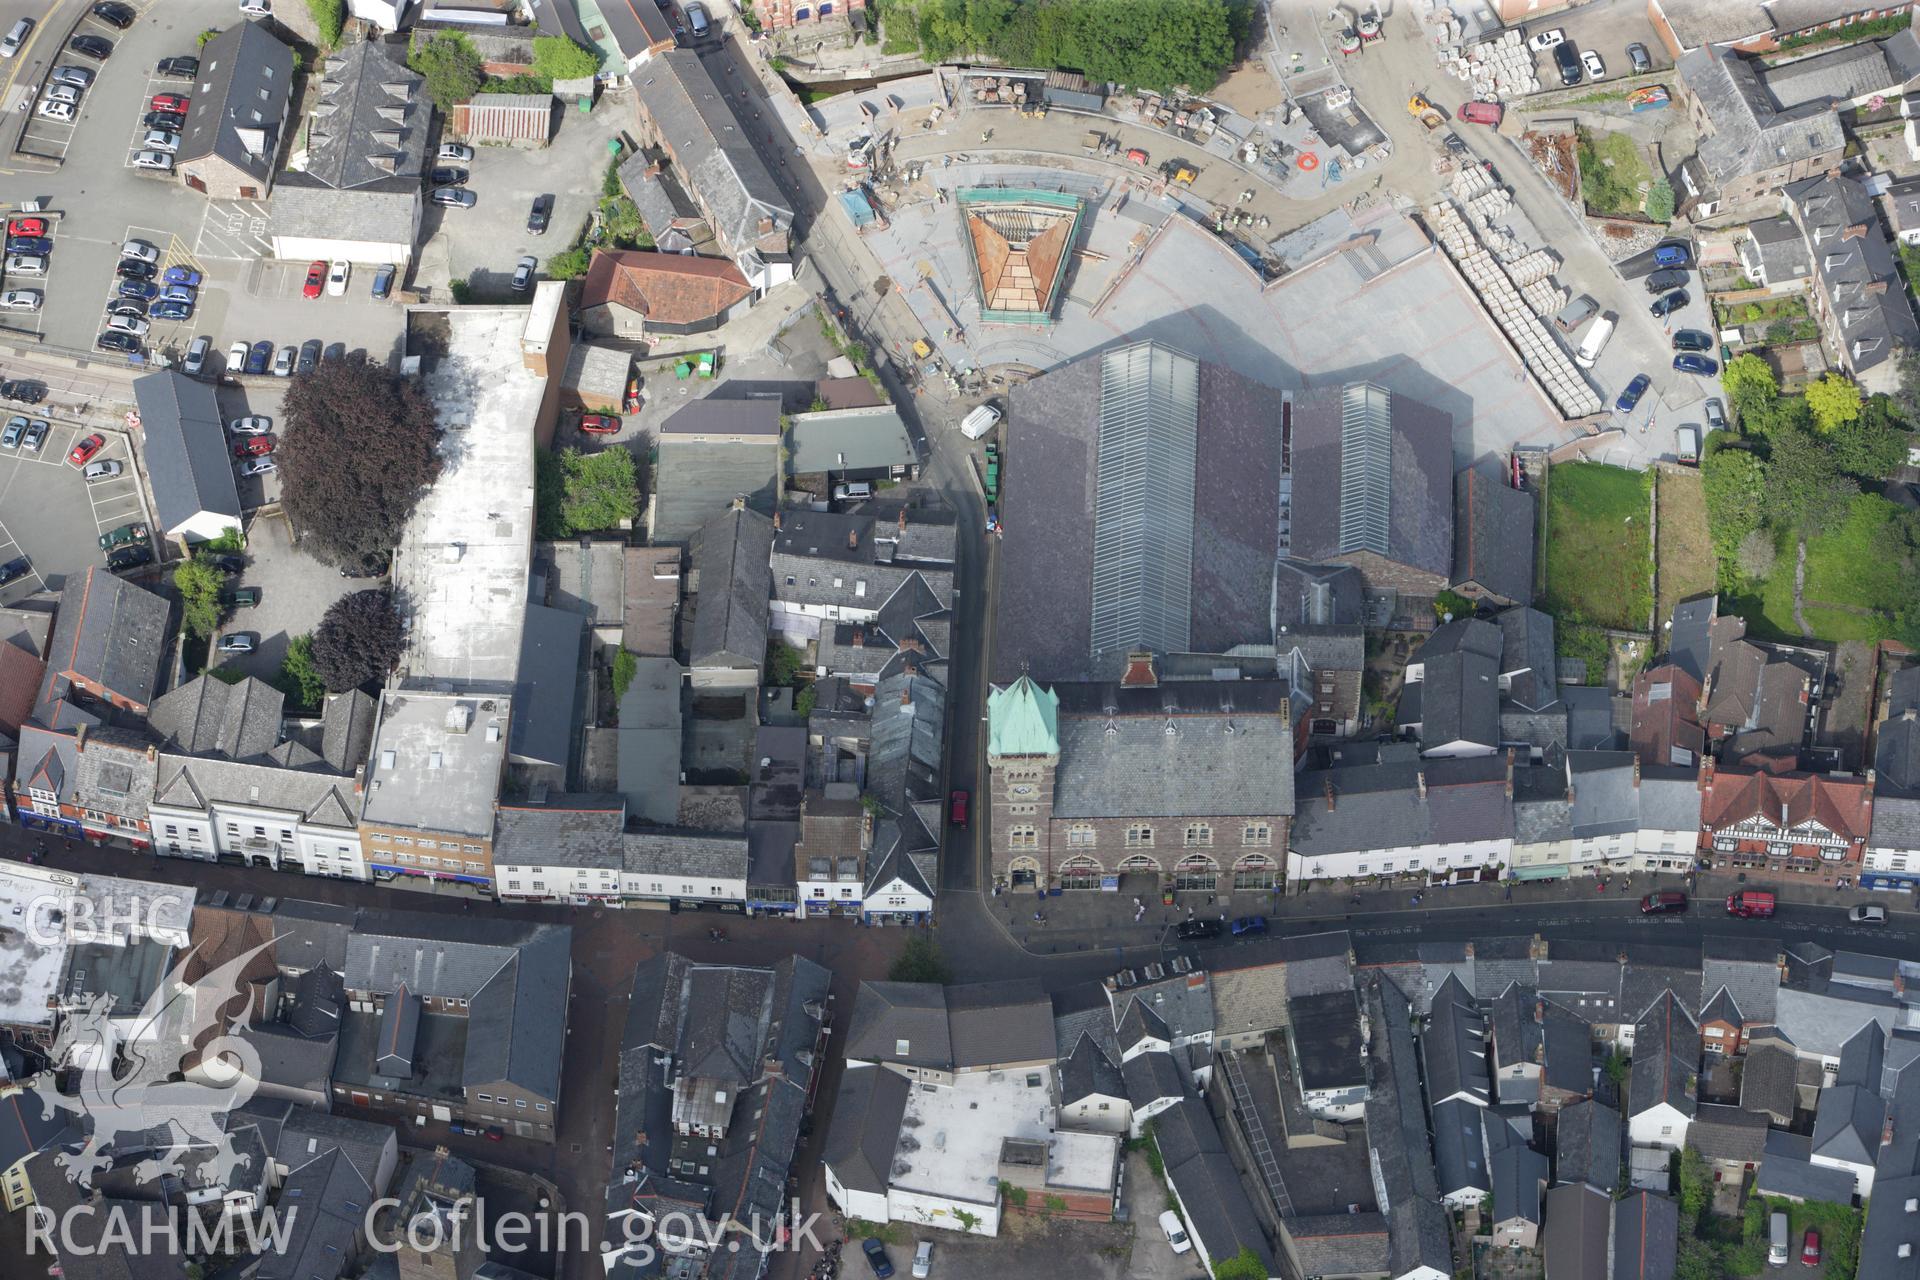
(859, 637)
(1509, 773)
(1636, 773)
(1876, 287)
(1854, 232)
(1140, 673)
(80, 739)
(853, 539)
(776, 519)
(1329, 786)
(1420, 783)
(903, 519)
(359, 779)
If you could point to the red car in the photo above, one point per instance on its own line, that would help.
(316, 280)
(252, 447)
(957, 808)
(600, 424)
(169, 102)
(83, 452)
(1810, 1250)
(27, 227)
(1489, 113)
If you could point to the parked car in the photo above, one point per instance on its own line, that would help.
(22, 391)
(15, 37)
(309, 356)
(1638, 59)
(60, 111)
(131, 532)
(258, 467)
(383, 280)
(604, 424)
(171, 121)
(237, 357)
(238, 642)
(316, 280)
(228, 563)
(252, 446)
(11, 433)
(1193, 930)
(1810, 1249)
(197, 352)
(1867, 914)
(36, 435)
(957, 808)
(876, 1254)
(169, 102)
(121, 322)
(182, 275)
(26, 264)
(260, 358)
(256, 8)
(1631, 395)
(1702, 366)
(63, 93)
(95, 47)
(161, 140)
(127, 307)
(1547, 40)
(523, 273)
(26, 227)
(1716, 415)
(139, 251)
(256, 425)
(1171, 1228)
(1666, 306)
(284, 362)
(1596, 69)
(539, 215)
(14, 568)
(1487, 113)
(454, 198)
(180, 293)
(1673, 253)
(1661, 281)
(1248, 926)
(337, 277)
(21, 300)
(447, 176)
(923, 1260)
(182, 68)
(105, 469)
(129, 558)
(172, 310)
(1751, 904)
(124, 343)
(1566, 59)
(241, 597)
(456, 152)
(39, 246)
(1667, 901)
(78, 77)
(160, 160)
(1692, 340)
(114, 14)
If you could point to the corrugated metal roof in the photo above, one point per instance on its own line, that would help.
(1143, 506)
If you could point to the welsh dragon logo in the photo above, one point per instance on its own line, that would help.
(131, 1085)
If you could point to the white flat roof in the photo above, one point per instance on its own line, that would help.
(1086, 1161)
(43, 914)
(435, 762)
(955, 1133)
(466, 552)
(33, 950)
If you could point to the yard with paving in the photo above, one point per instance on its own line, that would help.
(1597, 551)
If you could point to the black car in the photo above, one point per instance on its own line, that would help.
(365, 567)
(169, 121)
(1567, 58)
(113, 340)
(128, 307)
(542, 211)
(309, 356)
(227, 564)
(130, 557)
(877, 1258)
(448, 177)
(22, 391)
(13, 569)
(334, 351)
(1663, 307)
(1192, 930)
(91, 47)
(1692, 340)
(178, 68)
(115, 15)
(1661, 281)
(134, 269)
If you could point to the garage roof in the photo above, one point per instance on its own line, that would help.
(186, 449)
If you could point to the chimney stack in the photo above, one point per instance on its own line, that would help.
(1420, 782)
(903, 519)
(859, 637)
(776, 519)
(1329, 784)
(1636, 773)
(1854, 232)
(1509, 773)
(853, 539)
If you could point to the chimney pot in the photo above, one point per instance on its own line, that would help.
(1329, 783)
(853, 539)
(903, 519)
(776, 521)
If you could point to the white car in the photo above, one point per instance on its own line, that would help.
(923, 1260)
(20, 300)
(1866, 915)
(1175, 1233)
(283, 363)
(62, 93)
(139, 251)
(237, 356)
(15, 37)
(161, 140)
(337, 278)
(256, 425)
(128, 324)
(256, 8)
(1596, 69)
(154, 160)
(61, 111)
(457, 153)
(258, 467)
(27, 264)
(1547, 39)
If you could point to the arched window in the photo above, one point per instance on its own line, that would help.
(1196, 871)
(1255, 871)
(1139, 864)
(1080, 872)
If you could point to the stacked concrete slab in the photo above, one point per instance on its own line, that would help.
(1496, 70)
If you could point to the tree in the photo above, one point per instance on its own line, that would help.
(452, 67)
(570, 264)
(358, 641)
(1696, 1184)
(1873, 444)
(558, 58)
(625, 667)
(1756, 555)
(1696, 1260)
(1734, 484)
(920, 961)
(1660, 200)
(298, 678)
(1245, 1265)
(199, 583)
(1834, 400)
(1906, 396)
(578, 492)
(1804, 484)
(357, 451)
(329, 19)
(1749, 384)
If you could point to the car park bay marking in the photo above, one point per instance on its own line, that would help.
(233, 230)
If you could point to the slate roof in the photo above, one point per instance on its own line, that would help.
(669, 289)
(1848, 1123)
(1418, 1230)
(1666, 1058)
(566, 831)
(1567, 1062)
(1087, 1072)
(731, 605)
(1317, 595)
(1458, 697)
(1857, 274)
(1150, 1077)
(1330, 1243)
(108, 632)
(1890, 1242)
(1749, 135)
(1690, 636)
(1219, 539)
(1575, 1237)
(1519, 1173)
(1372, 471)
(1453, 1047)
(188, 466)
(1896, 760)
(1786, 1170)
(1605, 794)
(209, 717)
(1646, 1237)
(1588, 1145)
(1728, 1134)
(1767, 1081)
(866, 1127)
(1459, 1147)
(1213, 763)
(698, 480)
(1833, 76)
(710, 147)
(1493, 535)
(1819, 1024)
(1781, 248)
(113, 771)
(246, 76)
(1753, 982)
(1669, 799)
(370, 126)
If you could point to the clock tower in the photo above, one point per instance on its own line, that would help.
(1023, 753)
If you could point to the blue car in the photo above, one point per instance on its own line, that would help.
(182, 275)
(1635, 389)
(179, 293)
(1705, 366)
(138, 290)
(172, 311)
(1247, 926)
(38, 246)
(1672, 255)
(260, 357)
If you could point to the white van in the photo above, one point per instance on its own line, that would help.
(1595, 342)
(1777, 1240)
(979, 422)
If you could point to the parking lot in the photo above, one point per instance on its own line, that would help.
(46, 138)
(1605, 28)
(52, 516)
(295, 593)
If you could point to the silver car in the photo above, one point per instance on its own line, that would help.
(105, 469)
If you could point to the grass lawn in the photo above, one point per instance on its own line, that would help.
(1598, 568)
(1684, 548)
(1847, 588)
(1612, 172)
(1838, 1225)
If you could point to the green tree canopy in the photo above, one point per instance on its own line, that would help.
(452, 67)
(558, 58)
(1749, 384)
(1734, 482)
(1873, 444)
(358, 641)
(1150, 44)
(199, 583)
(1834, 400)
(578, 492)
(1805, 485)
(921, 961)
(329, 19)
(1245, 1265)
(299, 679)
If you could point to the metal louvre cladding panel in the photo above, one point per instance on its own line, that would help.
(1366, 467)
(1143, 504)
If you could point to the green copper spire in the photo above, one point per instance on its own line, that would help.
(1023, 720)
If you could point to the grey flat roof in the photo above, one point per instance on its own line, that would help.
(850, 440)
(696, 480)
(544, 694)
(427, 771)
